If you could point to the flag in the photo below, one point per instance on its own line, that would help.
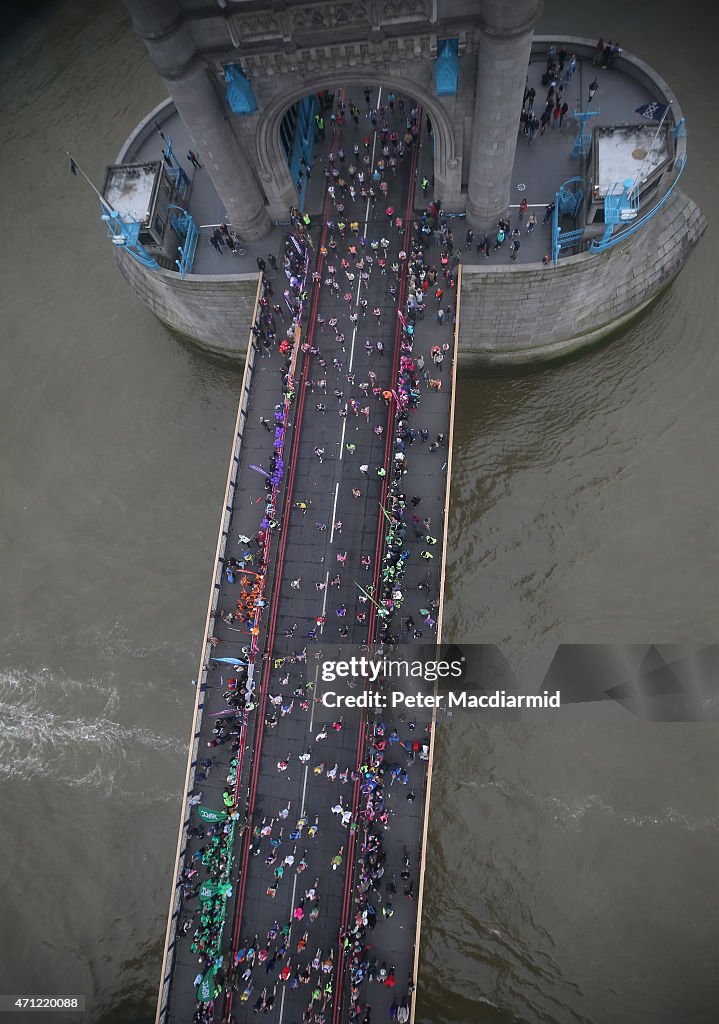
(209, 815)
(207, 987)
(208, 890)
(73, 166)
(653, 111)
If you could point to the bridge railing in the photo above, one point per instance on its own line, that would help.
(440, 617)
(602, 245)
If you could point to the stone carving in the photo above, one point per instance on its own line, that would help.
(249, 26)
(328, 16)
(394, 10)
(319, 17)
(390, 52)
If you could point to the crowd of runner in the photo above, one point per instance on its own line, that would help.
(417, 264)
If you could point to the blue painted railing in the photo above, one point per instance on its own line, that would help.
(304, 144)
(583, 141)
(567, 202)
(186, 228)
(126, 235)
(602, 245)
(175, 172)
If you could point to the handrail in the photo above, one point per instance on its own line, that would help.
(604, 246)
(440, 617)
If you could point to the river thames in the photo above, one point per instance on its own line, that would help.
(572, 871)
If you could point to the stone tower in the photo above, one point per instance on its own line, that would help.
(278, 51)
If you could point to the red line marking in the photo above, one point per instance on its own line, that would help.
(274, 605)
(349, 869)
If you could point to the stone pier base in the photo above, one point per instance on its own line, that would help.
(526, 313)
(511, 315)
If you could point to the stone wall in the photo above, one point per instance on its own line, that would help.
(214, 313)
(529, 312)
(510, 315)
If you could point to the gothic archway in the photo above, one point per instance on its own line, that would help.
(272, 166)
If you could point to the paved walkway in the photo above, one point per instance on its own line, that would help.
(540, 168)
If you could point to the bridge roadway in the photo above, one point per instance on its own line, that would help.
(274, 790)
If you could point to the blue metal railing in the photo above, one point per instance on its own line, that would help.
(568, 202)
(176, 173)
(608, 243)
(619, 205)
(583, 141)
(187, 251)
(180, 180)
(555, 230)
(127, 235)
(186, 228)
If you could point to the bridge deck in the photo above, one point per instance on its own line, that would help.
(305, 547)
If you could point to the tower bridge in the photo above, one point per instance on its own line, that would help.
(299, 868)
(233, 70)
(246, 79)
(323, 197)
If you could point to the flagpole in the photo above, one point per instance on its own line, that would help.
(389, 520)
(369, 596)
(104, 201)
(656, 136)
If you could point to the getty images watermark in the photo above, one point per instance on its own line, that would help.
(415, 684)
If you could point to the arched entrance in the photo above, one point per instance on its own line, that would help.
(275, 173)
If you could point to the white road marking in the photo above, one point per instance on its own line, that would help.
(334, 511)
(302, 811)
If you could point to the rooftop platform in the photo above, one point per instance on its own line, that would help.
(624, 152)
(129, 189)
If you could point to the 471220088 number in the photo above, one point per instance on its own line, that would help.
(42, 1003)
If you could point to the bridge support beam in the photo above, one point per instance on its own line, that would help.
(172, 51)
(505, 41)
